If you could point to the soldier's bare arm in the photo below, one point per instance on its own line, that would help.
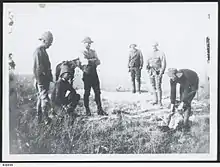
(147, 65)
(163, 63)
(141, 60)
(129, 59)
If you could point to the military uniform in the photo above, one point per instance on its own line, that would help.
(43, 76)
(156, 65)
(89, 62)
(63, 93)
(135, 64)
(189, 82)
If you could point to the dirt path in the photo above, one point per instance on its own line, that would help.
(136, 106)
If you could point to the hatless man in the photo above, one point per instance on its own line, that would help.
(43, 75)
(89, 62)
(135, 65)
(156, 65)
(189, 83)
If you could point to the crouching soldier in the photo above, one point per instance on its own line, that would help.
(43, 76)
(189, 82)
(135, 64)
(63, 94)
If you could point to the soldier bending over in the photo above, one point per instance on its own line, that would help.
(189, 82)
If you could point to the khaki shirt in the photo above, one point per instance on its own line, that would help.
(135, 59)
(89, 57)
(156, 62)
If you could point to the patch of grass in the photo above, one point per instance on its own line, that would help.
(115, 134)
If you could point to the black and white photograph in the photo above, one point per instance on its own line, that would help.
(110, 81)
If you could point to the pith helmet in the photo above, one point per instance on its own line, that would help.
(87, 40)
(47, 36)
(65, 69)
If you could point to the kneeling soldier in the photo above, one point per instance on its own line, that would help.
(63, 93)
(189, 82)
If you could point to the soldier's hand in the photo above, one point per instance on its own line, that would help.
(180, 107)
(147, 67)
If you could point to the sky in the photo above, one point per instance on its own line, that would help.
(179, 28)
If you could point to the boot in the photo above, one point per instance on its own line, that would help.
(186, 119)
(139, 87)
(99, 104)
(133, 87)
(88, 112)
(86, 104)
(102, 112)
(155, 98)
(160, 98)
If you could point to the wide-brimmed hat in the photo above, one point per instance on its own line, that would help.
(47, 36)
(155, 43)
(87, 40)
(132, 45)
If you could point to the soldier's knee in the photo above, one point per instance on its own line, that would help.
(153, 86)
(97, 91)
(138, 79)
(132, 79)
(86, 93)
(158, 86)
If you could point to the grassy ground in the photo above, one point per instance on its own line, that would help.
(127, 130)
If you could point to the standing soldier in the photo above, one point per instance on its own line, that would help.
(43, 75)
(90, 61)
(135, 64)
(189, 82)
(156, 65)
